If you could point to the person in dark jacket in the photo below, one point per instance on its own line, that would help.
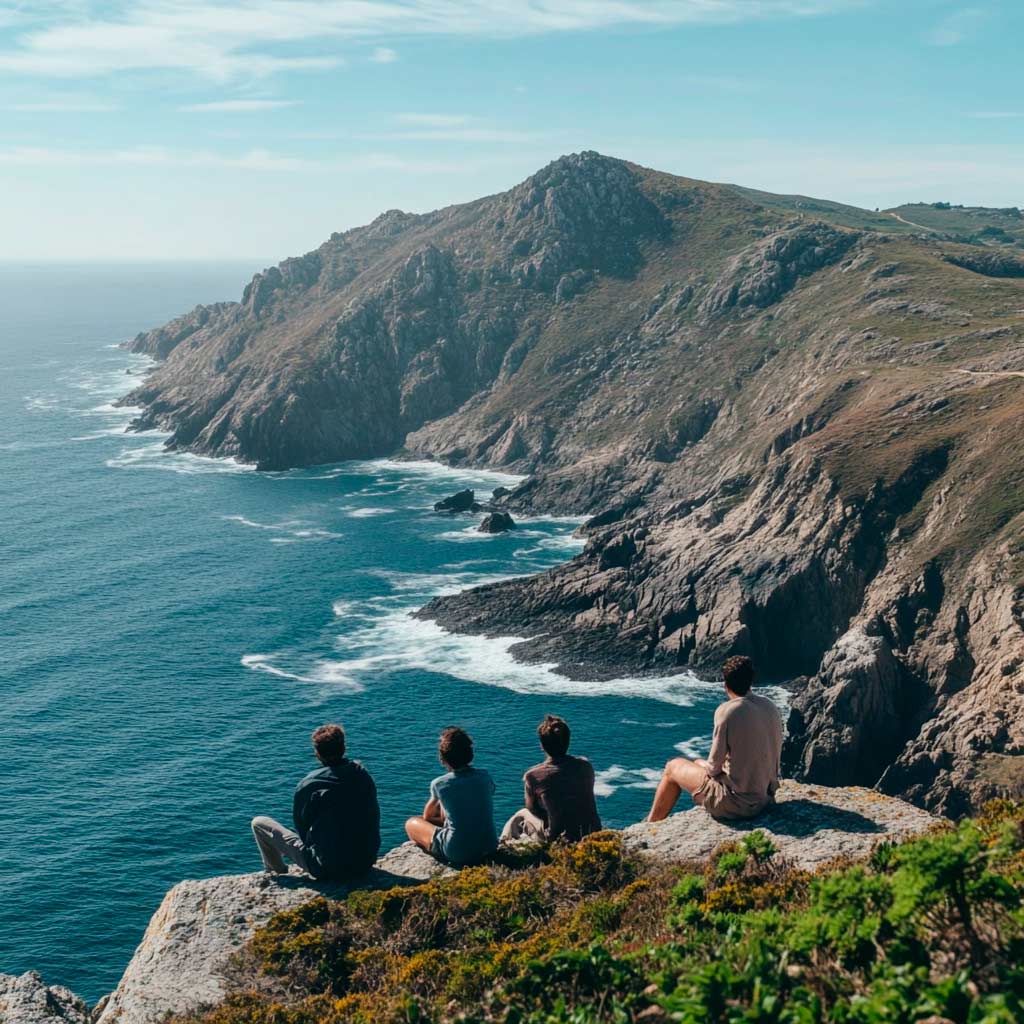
(558, 792)
(337, 818)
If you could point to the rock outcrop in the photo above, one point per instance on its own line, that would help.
(797, 437)
(183, 961)
(460, 501)
(497, 522)
(27, 999)
(809, 826)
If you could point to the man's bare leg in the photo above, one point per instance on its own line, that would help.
(680, 773)
(421, 832)
(421, 829)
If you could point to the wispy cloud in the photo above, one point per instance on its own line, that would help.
(251, 160)
(427, 127)
(995, 115)
(147, 156)
(220, 41)
(65, 105)
(236, 106)
(957, 26)
(435, 120)
(384, 55)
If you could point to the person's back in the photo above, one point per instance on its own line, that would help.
(745, 756)
(741, 775)
(467, 797)
(560, 791)
(338, 818)
(457, 824)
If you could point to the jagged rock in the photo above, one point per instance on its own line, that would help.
(496, 522)
(500, 492)
(27, 999)
(763, 273)
(849, 722)
(989, 263)
(810, 826)
(460, 501)
(180, 962)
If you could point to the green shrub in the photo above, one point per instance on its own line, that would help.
(931, 928)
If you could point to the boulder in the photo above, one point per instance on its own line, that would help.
(809, 825)
(500, 492)
(27, 999)
(460, 501)
(497, 522)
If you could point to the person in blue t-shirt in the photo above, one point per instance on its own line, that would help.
(457, 825)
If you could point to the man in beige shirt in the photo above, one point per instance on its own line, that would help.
(741, 774)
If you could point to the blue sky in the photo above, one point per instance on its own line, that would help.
(179, 129)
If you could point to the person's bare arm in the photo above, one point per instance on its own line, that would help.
(533, 805)
(434, 812)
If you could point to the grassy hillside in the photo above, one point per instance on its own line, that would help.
(976, 225)
(931, 930)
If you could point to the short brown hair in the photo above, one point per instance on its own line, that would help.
(554, 735)
(738, 673)
(455, 747)
(329, 743)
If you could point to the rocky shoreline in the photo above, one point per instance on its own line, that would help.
(796, 439)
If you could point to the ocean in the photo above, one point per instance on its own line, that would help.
(173, 627)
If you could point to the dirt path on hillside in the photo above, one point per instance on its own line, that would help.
(992, 373)
(909, 223)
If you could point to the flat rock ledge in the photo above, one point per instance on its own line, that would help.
(180, 962)
(809, 825)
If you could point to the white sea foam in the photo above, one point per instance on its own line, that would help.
(252, 524)
(696, 746)
(397, 640)
(424, 468)
(95, 435)
(560, 542)
(438, 584)
(293, 529)
(608, 780)
(365, 513)
(41, 403)
(328, 673)
(156, 456)
(651, 725)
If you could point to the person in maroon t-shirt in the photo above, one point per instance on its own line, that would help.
(559, 792)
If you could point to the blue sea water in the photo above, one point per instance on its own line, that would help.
(172, 628)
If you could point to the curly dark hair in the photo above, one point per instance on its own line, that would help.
(329, 743)
(554, 735)
(738, 673)
(455, 747)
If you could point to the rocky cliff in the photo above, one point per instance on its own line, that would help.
(184, 960)
(798, 436)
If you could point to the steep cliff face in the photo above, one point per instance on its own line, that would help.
(798, 438)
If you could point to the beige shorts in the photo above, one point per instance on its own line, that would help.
(720, 803)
